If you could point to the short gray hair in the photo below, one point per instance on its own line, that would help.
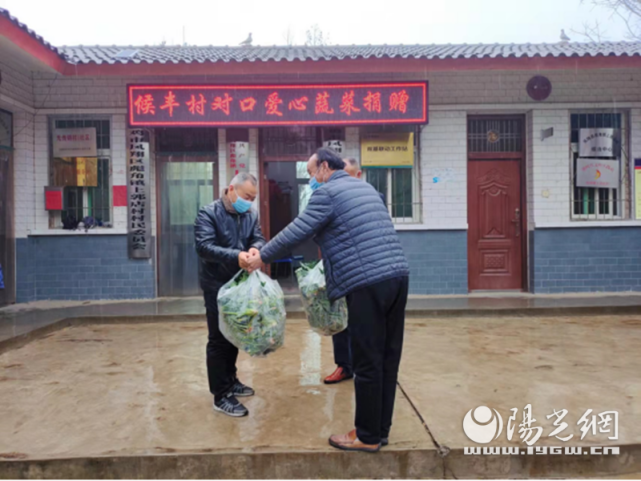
(353, 162)
(243, 177)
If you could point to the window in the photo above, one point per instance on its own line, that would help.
(399, 185)
(599, 203)
(78, 201)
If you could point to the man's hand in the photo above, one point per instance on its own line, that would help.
(243, 261)
(254, 260)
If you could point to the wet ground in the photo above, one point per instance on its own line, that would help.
(137, 389)
(20, 319)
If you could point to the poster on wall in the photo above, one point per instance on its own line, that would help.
(597, 173)
(74, 142)
(139, 195)
(87, 171)
(237, 159)
(637, 187)
(388, 150)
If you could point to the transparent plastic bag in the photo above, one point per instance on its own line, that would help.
(324, 317)
(251, 313)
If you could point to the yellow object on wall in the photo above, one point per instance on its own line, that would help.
(87, 172)
(388, 150)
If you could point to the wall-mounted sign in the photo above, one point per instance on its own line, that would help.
(597, 173)
(388, 150)
(637, 187)
(139, 196)
(337, 146)
(256, 105)
(74, 142)
(53, 198)
(599, 142)
(237, 159)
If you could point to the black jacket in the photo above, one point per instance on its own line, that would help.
(349, 221)
(219, 237)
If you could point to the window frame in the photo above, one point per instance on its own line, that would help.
(55, 217)
(623, 200)
(417, 205)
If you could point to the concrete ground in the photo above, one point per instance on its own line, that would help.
(131, 400)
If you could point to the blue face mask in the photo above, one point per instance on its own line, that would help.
(314, 184)
(241, 205)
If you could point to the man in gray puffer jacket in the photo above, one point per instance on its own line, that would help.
(364, 262)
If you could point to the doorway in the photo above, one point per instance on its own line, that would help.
(187, 182)
(495, 203)
(284, 152)
(287, 184)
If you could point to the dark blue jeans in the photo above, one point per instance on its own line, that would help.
(342, 350)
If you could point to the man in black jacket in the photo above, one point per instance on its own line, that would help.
(226, 231)
(364, 262)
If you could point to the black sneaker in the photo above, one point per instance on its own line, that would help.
(231, 406)
(384, 441)
(240, 390)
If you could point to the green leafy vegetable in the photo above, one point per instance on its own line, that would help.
(252, 313)
(324, 317)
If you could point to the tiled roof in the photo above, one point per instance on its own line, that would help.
(191, 54)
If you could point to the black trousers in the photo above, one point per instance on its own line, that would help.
(342, 350)
(221, 354)
(376, 325)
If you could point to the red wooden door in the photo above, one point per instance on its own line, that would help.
(494, 220)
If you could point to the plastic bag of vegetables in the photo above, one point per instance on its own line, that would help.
(251, 311)
(324, 317)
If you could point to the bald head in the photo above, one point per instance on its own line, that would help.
(353, 168)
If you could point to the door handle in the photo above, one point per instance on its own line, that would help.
(517, 221)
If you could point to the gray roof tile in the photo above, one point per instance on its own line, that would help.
(193, 54)
(190, 54)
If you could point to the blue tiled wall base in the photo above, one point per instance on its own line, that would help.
(438, 261)
(80, 267)
(586, 259)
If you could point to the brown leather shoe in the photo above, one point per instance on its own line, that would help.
(350, 442)
(337, 376)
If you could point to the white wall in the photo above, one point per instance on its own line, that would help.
(453, 95)
(444, 156)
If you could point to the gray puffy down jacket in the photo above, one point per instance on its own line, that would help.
(352, 226)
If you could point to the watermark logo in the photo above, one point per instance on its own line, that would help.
(482, 424)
